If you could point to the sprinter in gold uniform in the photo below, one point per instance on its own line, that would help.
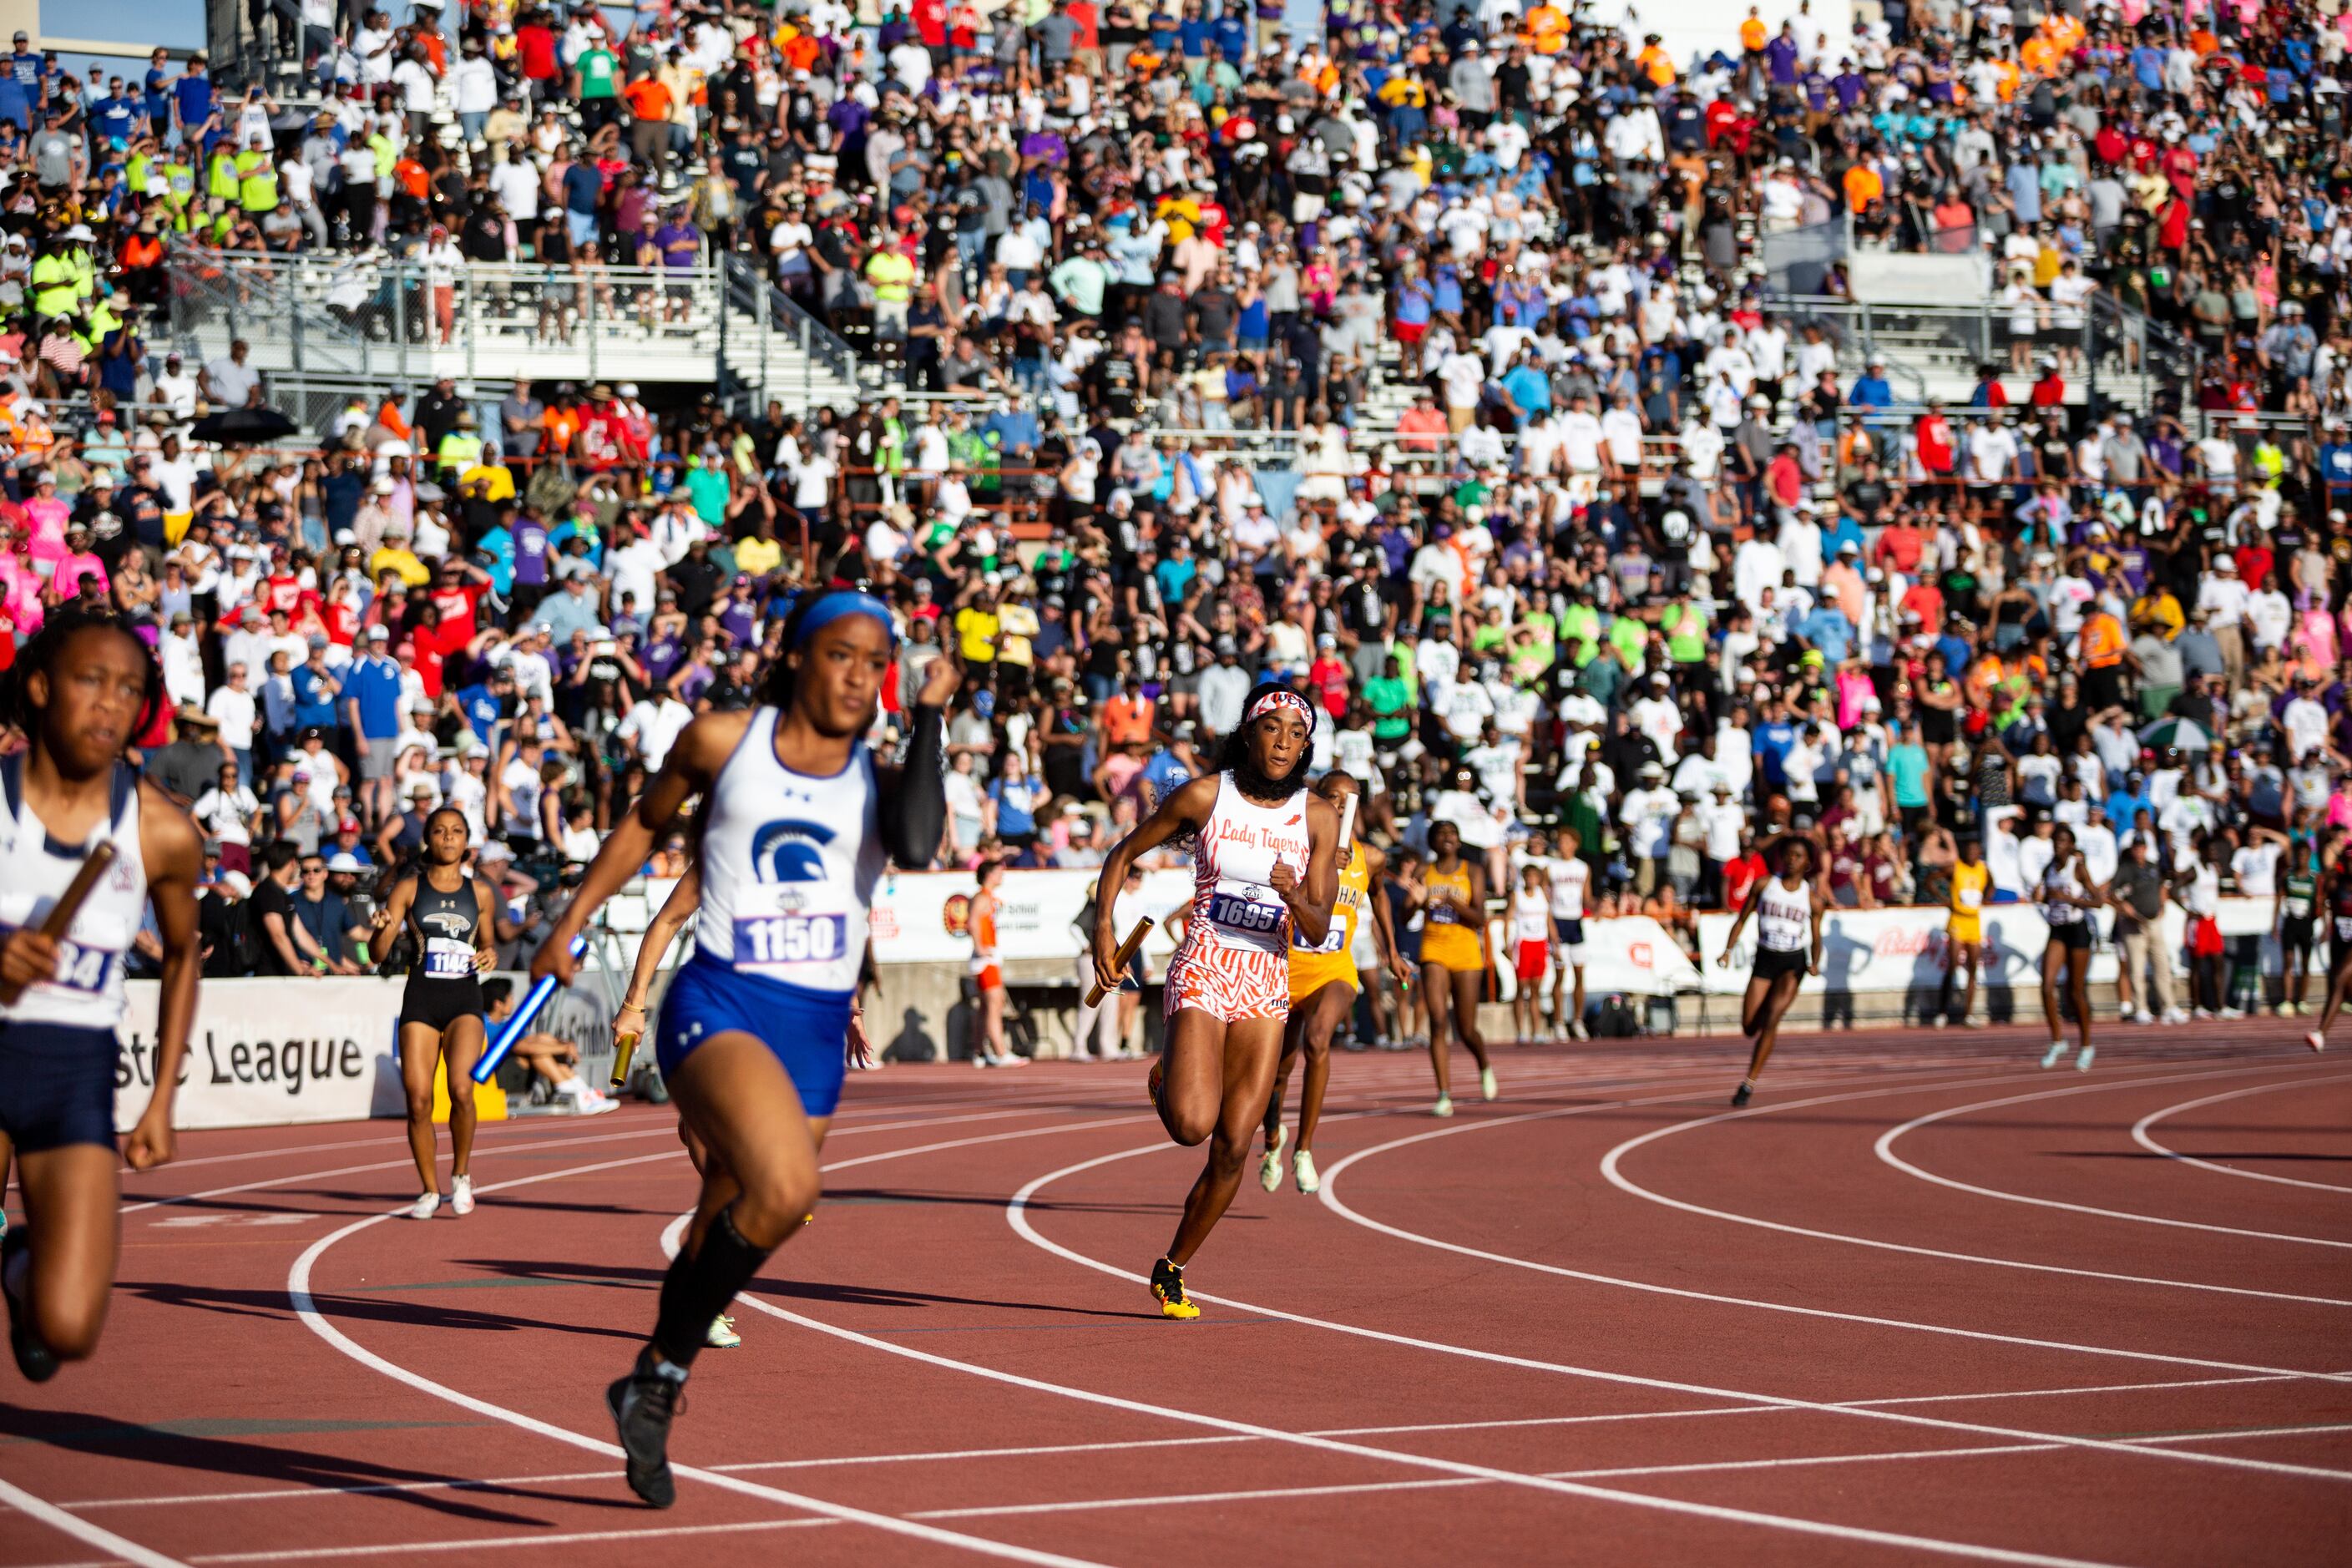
(1323, 987)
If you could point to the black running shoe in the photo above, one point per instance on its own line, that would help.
(34, 1359)
(1739, 1096)
(643, 1403)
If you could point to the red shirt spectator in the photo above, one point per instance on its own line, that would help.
(1933, 433)
(1739, 875)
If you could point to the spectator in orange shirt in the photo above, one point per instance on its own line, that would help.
(1127, 718)
(1863, 186)
(649, 105)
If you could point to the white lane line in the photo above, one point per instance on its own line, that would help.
(661, 1129)
(82, 1530)
(1885, 1149)
(1088, 1505)
(1332, 1200)
(1916, 1543)
(1016, 1212)
(298, 1290)
(1028, 1450)
(1612, 1168)
(2141, 1136)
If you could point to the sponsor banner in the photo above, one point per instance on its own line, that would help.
(920, 916)
(1904, 949)
(1634, 954)
(257, 1058)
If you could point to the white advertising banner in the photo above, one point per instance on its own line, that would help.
(1902, 950)
(1634, 954)
(267, 1053)
(921, 916)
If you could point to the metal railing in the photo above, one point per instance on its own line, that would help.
(774, 317)
(381, 319)
(2104, 347)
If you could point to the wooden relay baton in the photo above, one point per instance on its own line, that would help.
(61, 913)
(1127, 951)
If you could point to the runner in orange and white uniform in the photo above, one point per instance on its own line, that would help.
(1264, 853)
(987, 976)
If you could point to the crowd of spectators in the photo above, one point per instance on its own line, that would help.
(1566, 520)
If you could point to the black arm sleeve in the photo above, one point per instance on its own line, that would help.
(916, 813)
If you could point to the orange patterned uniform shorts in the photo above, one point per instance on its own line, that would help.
(1229, 984)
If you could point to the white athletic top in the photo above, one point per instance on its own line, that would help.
(1784, 917)
(2204, 895)
(35, 870)
(1530, 916)
(1234, 901)
(2060, 879)
(1569, 878)
(789, 866)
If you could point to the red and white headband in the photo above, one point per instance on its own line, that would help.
(1273, 701)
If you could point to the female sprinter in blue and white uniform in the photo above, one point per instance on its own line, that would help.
(79, 692)
(754, 1033)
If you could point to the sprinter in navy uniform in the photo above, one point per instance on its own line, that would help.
(450, 918)
(81, 690)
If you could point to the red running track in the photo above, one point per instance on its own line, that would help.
(1920, 1300)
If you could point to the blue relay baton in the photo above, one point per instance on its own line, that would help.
(520, 1024)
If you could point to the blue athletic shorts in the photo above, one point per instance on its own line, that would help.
(57, 1086)
(807, 1031)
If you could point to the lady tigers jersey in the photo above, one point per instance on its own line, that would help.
(1234, 963)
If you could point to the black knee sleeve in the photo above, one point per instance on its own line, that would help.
(697, 1289)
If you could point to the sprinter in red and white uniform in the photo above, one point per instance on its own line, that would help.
(1265, 853)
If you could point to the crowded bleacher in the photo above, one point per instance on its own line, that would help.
(1494, 374)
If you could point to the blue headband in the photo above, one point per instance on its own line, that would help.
(832, 606)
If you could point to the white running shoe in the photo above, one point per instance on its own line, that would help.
(596, 1102)
(426, 1206)
(2203, 1014)
(2143, 1016)
(461, 1194)
(1940, 1021)
(2050, 1058)
(2315, 1040)
(2175, 1016)
(1302, 1165)
(2233, 1012)
(722, 1335)
(1487, 1087)
(1269, 1170)
(1577, 1031)
(2082, 1062)
(1444, 1106)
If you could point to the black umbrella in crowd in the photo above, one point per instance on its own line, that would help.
(242, 427)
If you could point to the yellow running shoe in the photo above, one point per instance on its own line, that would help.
(1168, 1290)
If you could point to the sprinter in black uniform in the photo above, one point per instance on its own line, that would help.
(451, 919)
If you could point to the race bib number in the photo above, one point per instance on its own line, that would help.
(446, 958)
(2343, 928)
(1332, 938)
(1971, 898)
(790, 939)
(2298, 907)
(1236, 914)
(84, 968)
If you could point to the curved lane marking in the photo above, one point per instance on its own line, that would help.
(1885, 1149)
(1612, 1168)
(2141, 1136)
